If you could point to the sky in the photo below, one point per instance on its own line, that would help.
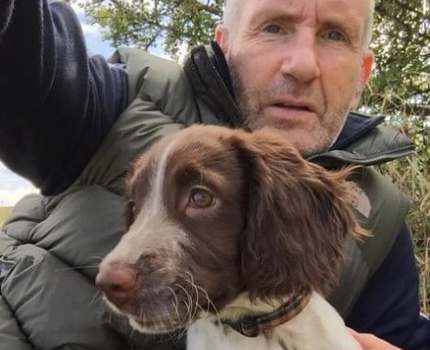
(13, 187)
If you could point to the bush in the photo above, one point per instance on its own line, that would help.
(412, 176)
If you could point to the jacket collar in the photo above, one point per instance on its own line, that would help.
(363, 140)
(356, 126)
(210, 79)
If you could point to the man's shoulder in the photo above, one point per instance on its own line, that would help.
(365, 141)
(148, 72)
(381, 209)
(379, 143)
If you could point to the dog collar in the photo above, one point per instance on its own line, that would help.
(252, 326)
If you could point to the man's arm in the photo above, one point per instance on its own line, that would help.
(56, 103)
(389, 305)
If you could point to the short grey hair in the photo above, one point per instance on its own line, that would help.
(230, 12)
(231, 7)
(367, 38)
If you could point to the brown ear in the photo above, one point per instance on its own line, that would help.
(298, 217)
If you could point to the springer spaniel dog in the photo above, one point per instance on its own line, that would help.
(234, 236)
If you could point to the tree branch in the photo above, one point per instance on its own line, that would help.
(209, 8)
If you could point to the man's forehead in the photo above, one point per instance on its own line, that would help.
(319, 10)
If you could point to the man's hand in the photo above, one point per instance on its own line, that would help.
(371, 342)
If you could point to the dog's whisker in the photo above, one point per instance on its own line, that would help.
(74, 268)
(171, 318)
(140, 313)
(109, 321)
(172, 324)
(211, 305)
(96, 295)
(131, 334)
(175, 304)
(210, 302)
(157, 320)
(189, 305)
(182, 333)
(196, 305)
(97, 258)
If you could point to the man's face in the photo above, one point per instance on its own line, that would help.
(298, 65)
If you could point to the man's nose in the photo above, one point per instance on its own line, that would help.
(301, 59)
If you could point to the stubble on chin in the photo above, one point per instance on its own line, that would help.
(319, 139)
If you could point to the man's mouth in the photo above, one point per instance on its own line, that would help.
(293, 107)
(291, 111)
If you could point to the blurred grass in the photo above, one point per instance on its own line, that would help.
(414, 180)
(4, 213)
(411, 175)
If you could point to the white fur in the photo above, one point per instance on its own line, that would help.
(152, 221)
(317, 327)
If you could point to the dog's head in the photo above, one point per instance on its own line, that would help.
(215, 212)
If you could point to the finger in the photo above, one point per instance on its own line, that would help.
(371, 342)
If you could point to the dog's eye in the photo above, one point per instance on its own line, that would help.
(201, 199)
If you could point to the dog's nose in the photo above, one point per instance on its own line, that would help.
(117, 281)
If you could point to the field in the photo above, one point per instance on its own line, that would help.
(4, 213)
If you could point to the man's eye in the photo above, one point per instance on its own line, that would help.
(273, 29)
(335, 35)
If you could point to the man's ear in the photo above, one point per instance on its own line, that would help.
(367, 62)
(221, 37)
(367, 67)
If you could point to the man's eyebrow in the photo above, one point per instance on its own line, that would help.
(339, 14)
(347, 23)
(341, 21)
(272, 14)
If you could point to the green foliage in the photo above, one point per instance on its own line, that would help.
(401, 43)
(144, 23)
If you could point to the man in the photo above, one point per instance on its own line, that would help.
(71, 124)
(311, 52)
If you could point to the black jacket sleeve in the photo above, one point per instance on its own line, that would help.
(56, 103)
(389, 305)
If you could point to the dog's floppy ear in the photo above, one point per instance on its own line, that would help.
(298, 217)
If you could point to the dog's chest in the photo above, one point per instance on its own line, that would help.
(318, 326)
